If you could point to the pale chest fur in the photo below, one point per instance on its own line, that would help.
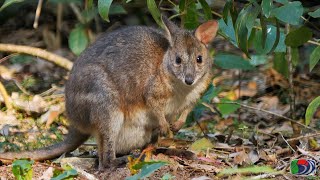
(183, 98)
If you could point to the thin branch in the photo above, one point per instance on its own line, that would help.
(305, 136)
(291, 69)
(5, 96)
(269, 112)
(217, 14)
(287, 142)
(314, 42)
(77, 12)
(38, 11)
(56, 59)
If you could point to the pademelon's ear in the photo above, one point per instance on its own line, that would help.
(207, 31)
(169, 27)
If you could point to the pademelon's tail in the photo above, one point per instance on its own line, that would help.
(73, 140)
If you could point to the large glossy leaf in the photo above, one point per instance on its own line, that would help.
(270, 41)
(103, 7)
(244, 26)
(314, 57)
(298, 37)
(282, 1)
(227, 30)
(206, 8)
(289, 13)
(230, 61)
(315, 14)
(8, 3)
(226, 10)
(312, 108)
(280, 64)
(152, 6)
(191, 17)
(78, 40)
(266, 6)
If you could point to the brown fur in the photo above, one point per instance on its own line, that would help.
(127, 87)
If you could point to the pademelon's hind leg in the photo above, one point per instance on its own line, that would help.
(106, 136)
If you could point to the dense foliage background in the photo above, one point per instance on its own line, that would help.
(262, 107)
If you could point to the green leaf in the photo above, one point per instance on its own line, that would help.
(241, 31)
(8, 3)
(282, 1)
(280, 64)
(227, 31)
(270, 41)
(22, 169)
(278, 39)
(191, 17)
(68, 174)
(312, 108)
(201, 145)
(289, 13)
(152, 6)
(167, 176)
(315, 14)
(103, 8)
(226, 109)
(244, 24)
(226, 10)
(147, 170)
(264, 31)
(78, 40)
(230, 61)
(295, 56)
(298, 37)
(89, 14)
(252, 169)
(258, 60)
(266, 6)
(206, 8)
(314, 58)
(210, 94)
(117, 9)
(140, 165)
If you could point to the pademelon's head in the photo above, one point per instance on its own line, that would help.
(187, 58)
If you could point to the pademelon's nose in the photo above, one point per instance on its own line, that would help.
(188, 80)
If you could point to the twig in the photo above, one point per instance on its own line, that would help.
(58, 60)
(287, 142)
(5, 96)
(269, 112)
(38, 11)
(217, 14)
(21, 88)
(305, 136)
(313, 42)
(77, 12)
(59, 25)
(264, 176)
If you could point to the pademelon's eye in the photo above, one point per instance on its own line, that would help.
(178, 60)
(199, 59)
